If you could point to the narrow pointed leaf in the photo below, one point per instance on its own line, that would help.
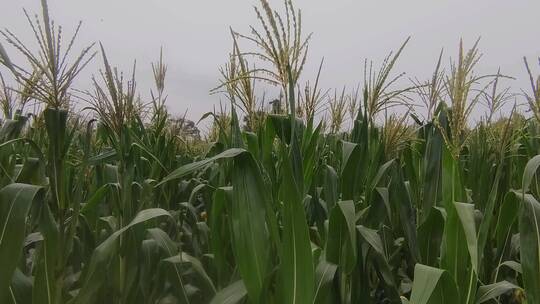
(15, 202)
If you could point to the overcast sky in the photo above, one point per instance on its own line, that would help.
(196, 38)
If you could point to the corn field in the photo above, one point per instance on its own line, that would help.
(388, 193)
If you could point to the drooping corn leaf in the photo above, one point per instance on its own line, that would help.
(529, 235)
(189, 168)
(15, 202)
(433, 286)
(232, 294)
(324, 275)
(102, 255)
(493, 291)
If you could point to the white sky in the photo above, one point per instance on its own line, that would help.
(196, 39)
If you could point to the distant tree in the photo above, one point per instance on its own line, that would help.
(255, 121)
(221, 123)
(185, 128)
(277, 107)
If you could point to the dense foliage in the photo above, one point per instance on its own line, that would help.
(132, 206)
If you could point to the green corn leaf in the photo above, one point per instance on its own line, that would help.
(310, 154)
(372, 238)
(380, 173)
(190, 168)
(249, 229)
(232, 294)
(529, 173)
(97, 197)
(15, 202)
(433, 286)
(515, 266)
(400, 198)
(20, 290)
(485, 226)
(380, 261)
(220, 233)
(430, 237)
(454, 255)
(529, 235)
(352, 160)
(431, 170)
(167, 245)
(163, 241)
(252, 141)
(236, 134)
(46, 290)
(200, 279)
(341, 244)
(101, 158)
(508, 215)
(297, 261)
(32, 172)
(330, 187)
(102, 255)
(466, 216)
(493, 291)
(324, 276)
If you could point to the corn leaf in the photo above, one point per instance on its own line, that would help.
(102, 255)
(433, 286)
(15, 202)
(249, 229)
(341, 244)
